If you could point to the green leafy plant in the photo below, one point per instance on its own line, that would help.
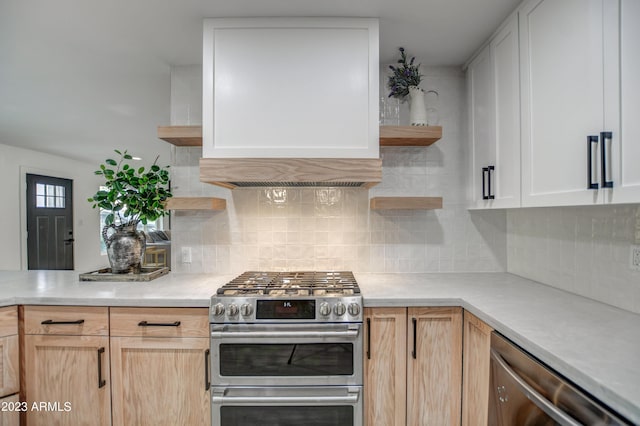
(132, 194)
(404, 76)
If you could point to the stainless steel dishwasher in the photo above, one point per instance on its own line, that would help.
(525, 392)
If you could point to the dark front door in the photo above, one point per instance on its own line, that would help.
(49, 222)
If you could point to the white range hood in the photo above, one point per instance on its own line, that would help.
(290, 101)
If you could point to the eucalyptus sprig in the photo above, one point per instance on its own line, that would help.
(132, 194)
(404, 76)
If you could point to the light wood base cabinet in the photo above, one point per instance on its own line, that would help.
(415, 356)
(8, 416)
(434, 368)
(160, 381)
(158, 366)
(476, 369)
(385, 366)
(67, 380)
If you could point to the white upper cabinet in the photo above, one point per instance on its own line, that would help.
(561, 46)
(494, 98)
(580, 100)
(290, 87)
(625, 149)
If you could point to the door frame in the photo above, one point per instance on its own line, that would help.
(24, 170)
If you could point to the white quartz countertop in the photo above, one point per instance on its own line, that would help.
(596, 346)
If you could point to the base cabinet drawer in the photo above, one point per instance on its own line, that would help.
(10, 408)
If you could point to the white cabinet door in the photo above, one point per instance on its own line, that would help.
(562, 77)
(625, 147)
(494, 98)
(482, 129)
(506, 85)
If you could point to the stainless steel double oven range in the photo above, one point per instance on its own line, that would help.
(286, 349)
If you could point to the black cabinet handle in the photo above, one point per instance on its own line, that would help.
(101, 381)
(485, 171)
(159, 324)
(490, 170)
(413, 352)
(52, 322)
(368, 338)
(590, 141)
(207, 382)
(604, 137)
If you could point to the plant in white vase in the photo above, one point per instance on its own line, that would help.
(404, 81)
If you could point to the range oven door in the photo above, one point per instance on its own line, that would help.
(286, 354)
(287, 406)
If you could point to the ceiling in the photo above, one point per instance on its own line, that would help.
(79, 78)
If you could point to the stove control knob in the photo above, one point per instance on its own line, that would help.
(246, 309)
(354, 309)
(218, 309)
(339, 309)
(325, 310)
(233, 310)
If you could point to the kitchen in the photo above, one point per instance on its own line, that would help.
(583, 250)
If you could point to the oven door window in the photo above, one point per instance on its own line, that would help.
(303, 359)
(286, 416)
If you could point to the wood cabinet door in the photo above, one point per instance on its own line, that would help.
(10, 415)
(476, 356)
(563, 98)
(160, 381)
(67, 380)
(434, 366)
(385, 372)
(9, 365)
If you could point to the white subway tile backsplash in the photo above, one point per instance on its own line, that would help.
(333, 228)
(583, 249)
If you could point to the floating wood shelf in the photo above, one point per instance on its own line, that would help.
(196, 203)
(389, 135)
(409, 135)
(405, 203)
(181, 135)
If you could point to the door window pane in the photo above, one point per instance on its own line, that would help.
(288, 416)
(50, 196)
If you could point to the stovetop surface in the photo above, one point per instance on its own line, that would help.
(294, 283)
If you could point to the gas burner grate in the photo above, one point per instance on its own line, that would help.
(294, 283)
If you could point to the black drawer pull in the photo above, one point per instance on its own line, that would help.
(590, 141)
(485, 171)
(490, 170)
(207, 382)
(52, 322)
(368, 338)
(415, 326)
(101, 381)
(159, 324)
(604, 137)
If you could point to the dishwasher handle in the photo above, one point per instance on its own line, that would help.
(540, 401)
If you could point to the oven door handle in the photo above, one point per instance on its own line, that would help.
(535, 397)
(285, 334)
(350, 398)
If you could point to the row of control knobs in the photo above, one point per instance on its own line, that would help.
(232, 310)
(325, 310)
(339, 309)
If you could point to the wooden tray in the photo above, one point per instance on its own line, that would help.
(146, 274)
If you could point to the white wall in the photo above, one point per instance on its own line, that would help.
(14, 163)
(584, 250)
(307, 234)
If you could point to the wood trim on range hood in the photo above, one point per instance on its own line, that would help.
(299, 172)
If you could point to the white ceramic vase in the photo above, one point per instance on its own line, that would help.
(417, 107)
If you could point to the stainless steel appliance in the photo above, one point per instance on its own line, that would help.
(526, 392)
(286, 349)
